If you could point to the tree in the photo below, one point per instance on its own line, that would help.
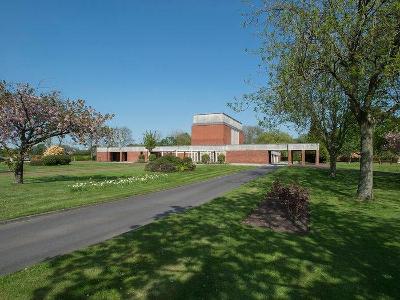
(121, 136)
(312, 103)
(150, 139)
(38, 149)
(251, 134)
(168, 141)
(28, 118)
(182, 138)
(382, 129)
(274, 137)
(355, 44)
(351, 145)
(393, 142)
(176, 138)
(97, 136)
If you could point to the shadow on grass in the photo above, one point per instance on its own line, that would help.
(207, 253)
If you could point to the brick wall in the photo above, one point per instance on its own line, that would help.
(212, 134)
(102, 156)
(133, 156)
(248, 156)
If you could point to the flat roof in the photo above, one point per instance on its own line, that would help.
(219, 113)
(217, 118)
(222, 148)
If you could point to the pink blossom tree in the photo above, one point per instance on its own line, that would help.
(393, 142)
(28, 118)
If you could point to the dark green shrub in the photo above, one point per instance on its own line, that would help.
(169, 163)
(187, 164)
(221, 158)
(205, 158)
(81, 157)
(54, 160)
(152, 157)
(168, 168)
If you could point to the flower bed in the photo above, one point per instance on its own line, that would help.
(85, 185)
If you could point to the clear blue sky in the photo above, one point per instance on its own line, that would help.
(152, 63)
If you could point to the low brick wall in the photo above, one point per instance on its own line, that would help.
(134, 156)
(248, 156)
(102, 156)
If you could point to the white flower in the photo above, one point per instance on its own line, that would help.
(114, 182)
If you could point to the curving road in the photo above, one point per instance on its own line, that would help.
(31, 240)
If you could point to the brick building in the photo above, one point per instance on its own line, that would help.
(215, 134)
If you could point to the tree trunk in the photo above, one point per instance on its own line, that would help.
(19, 170)
(332, 164)
(365, 183)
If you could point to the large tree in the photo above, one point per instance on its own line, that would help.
(182, 138)
(356, 44)
(96, 136)
(121, 136)
(28, 118)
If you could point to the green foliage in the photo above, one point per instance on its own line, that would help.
(274, 137)
(168, 141)
(221, 158)
(152, 157)
(170, 163)
(330, 64)
(177, 138)
(187, 164)
(386, 156)
(54, 160)
(251, 134)
(183, 138)
(150, 139)
(38, 149)
(205, 158)
(81, 157)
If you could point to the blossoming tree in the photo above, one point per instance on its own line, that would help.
(28, 118)
(393, 142)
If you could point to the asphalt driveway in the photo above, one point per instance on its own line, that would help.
(31, 240)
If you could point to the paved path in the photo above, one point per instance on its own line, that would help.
(29, 241)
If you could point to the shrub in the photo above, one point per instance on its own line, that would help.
(187, 164)
(169, 163)
(81, 157)
(292, 197)
(152, 157)
(53, 160)
(221, 158)
(167, 168)
(54, 150)
(205, 158)
(36, 160)
(141, 158)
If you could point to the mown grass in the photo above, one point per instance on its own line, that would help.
(47, 188)
(351, 252)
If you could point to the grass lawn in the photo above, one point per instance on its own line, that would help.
(46, 188)
(352, 251)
